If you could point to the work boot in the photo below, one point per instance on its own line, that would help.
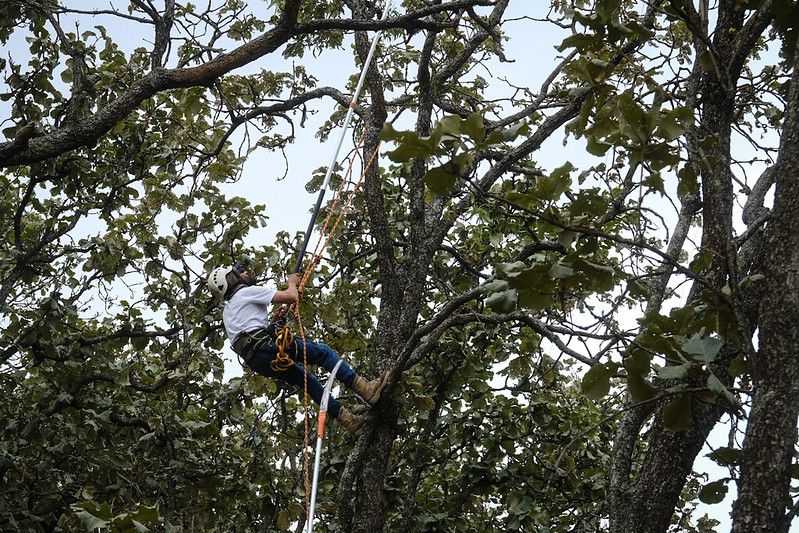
(351, 422)
(370, 390)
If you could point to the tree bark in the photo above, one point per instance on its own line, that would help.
(771, 431)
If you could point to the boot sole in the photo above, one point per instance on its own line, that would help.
(379, 390)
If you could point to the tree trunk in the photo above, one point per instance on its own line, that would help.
(771, 431)
(647, 502)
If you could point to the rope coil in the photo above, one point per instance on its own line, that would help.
(283, 340)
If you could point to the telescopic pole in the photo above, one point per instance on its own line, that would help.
(320, 433)
(344, 129)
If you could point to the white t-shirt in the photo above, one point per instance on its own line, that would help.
(247, 310)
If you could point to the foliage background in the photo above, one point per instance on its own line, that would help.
(117, 410)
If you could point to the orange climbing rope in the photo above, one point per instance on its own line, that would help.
(285, 338)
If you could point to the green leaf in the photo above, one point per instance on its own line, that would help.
(677, 415)
(660, 155)
(714, 492)
(669, 127)
(638, 288)
(518, 129)
(123, 379)
(404, 153)
(596, 147)
(92, 515)
(525, 200)
(739, 366)
(409, 145)
(633, 118)
(563, 171)
(389, 133)
(140, 528)
(688, 183)
(153, 268)
(497, 285)
(424, 403)
(655, 182)
(502, 302)
(536, 276)
(89, 521)
(674, 371)
(701, 261)
(450, 125)
(601, 277)
(551, 187)
(581, 41)
(440, 181)
(596, 382)
(637, 362)
(510, 270)
(726, 456)
(284, 518)
(535, 299)
(560, 271)
(703, 349)
(715, 385)
(639, 388)
(474, 127)
(139, 342)
(566, 239)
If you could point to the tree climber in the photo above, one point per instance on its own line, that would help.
(254, 337)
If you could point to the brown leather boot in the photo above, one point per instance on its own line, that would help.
(351, 422)
(370, 390)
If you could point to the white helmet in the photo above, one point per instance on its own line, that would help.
(217, 281)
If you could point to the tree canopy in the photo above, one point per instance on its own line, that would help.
(562, 338)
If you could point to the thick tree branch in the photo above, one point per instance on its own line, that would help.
(114, 13)
(751, 31)
(465, 54)
(409, 21)
(90, 130)
(624, 448)
(277, 109)
(690, 206)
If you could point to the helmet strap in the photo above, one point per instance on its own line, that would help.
(233, 290)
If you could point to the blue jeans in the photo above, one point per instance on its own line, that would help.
(318, 354)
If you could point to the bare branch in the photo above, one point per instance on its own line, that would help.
(431, 340)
